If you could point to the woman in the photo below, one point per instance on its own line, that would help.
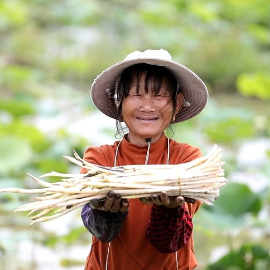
(145, 93)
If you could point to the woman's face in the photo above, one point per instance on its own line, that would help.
(146, 115)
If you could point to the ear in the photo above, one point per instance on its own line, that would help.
(179, 102)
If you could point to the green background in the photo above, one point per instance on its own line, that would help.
(50, 53)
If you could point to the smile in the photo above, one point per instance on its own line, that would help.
(147, 119)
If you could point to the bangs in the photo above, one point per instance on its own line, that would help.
(153, 74)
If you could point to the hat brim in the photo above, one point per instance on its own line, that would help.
(192, 87)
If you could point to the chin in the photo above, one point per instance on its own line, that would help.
(152, 136)
(148, 135)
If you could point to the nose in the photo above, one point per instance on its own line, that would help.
(147, 104)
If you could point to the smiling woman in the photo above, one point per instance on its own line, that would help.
(145, 93)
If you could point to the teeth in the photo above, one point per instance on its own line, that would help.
(153, 119)
(148, 119)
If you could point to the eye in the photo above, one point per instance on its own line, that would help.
(161, 95)
(135, 95)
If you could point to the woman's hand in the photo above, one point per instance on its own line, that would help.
(165, 200)
(112, 203)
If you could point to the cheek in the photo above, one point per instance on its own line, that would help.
(125, 111)
(124, 108)
(128, 106)
(167, 109)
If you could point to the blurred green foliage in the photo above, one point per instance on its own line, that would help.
(51, 51)
(248, 256)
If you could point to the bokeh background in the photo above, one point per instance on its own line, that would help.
(51, 51)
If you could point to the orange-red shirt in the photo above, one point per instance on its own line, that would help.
(130, 249)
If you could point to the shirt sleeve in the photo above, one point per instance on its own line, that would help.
(169, 229)
(102, 224)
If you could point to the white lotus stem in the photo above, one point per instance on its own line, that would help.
(199, 179)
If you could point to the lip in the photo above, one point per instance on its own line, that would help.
(147, 119)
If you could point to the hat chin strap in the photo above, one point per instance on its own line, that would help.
(148, 140)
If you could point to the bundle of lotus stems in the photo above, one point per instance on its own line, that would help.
(199, 179)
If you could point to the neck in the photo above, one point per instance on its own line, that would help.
(141, 141)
